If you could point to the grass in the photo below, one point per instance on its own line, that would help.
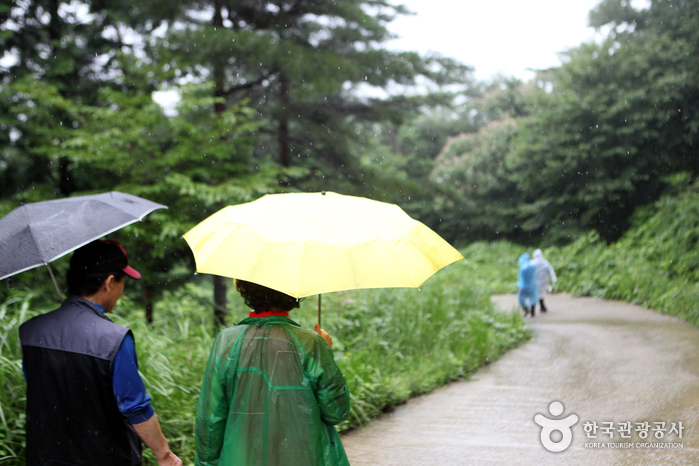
(655, 264)
(625, 273)
(391, 344)
(13, 312)
(493, 266)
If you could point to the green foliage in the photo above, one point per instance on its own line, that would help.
(416, 143)
(61, 43)
(617, 118)
(300, 65)
(493, 266)
(473, 169)
(13, 311)
(391, 344)
(71, 46)
(401, 163)
(656, 264)
(195, 163)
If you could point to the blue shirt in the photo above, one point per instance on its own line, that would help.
(129, 391)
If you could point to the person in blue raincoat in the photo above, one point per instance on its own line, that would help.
(526, 284)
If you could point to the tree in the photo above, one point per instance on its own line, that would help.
(446, 151)
(297, 62)
(195, 163)
(300, 64)
(621, 116)
(74, 46)
(479, 199)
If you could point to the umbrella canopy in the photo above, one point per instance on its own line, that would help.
(311, 243)
(38, 233)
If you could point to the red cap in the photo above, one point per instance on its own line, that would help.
(128, 270)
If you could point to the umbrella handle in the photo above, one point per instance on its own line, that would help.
(319, 310)
(60, 295)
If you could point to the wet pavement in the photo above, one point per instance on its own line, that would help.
(607, 362)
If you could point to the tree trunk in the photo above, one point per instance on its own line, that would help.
(66, 183)
(283, 133)
(55, 28)
(219, 73)
(148, 298)
(220, 301)
(394, 139)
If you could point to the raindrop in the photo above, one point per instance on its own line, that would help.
(196, 273)
(418, 288)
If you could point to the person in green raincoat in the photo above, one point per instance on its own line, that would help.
(272, 391)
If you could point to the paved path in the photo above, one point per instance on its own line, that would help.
(605, 361)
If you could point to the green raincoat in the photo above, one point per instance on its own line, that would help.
(270, 396)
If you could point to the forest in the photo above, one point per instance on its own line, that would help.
(593, 161)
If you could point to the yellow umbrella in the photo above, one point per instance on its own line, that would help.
(304, 244)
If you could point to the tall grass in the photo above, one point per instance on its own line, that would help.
(655, 264)
(626, 273)
(391, 344)
(13, 312)
(172, 356)
(493, 266)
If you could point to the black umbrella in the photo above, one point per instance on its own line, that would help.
(38, 233)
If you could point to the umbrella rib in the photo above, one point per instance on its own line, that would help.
(20, 271)
(403, 264)
(197, 257)
(158, 206)
(412, 232)
(135, 219)
(94, 238)
(395, 252)
(29, 225)
(401, 259)
(44, 261)
(435, 266)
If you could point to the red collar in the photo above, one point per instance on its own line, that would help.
(269, 314)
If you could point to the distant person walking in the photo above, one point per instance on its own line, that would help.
(545, 277)
(526, 284)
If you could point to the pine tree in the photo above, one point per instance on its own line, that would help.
(301, 63)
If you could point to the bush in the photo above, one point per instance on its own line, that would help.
(493, 266)
(13, 312)
(655, 264)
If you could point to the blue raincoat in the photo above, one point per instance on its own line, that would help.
(526, 281)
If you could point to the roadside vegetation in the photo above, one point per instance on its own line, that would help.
(655, 264)
(391, 344)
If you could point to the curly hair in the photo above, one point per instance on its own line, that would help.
(260, 298)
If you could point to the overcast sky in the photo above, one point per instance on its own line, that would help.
(496, 36)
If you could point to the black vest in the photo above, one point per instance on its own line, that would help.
(72, 416)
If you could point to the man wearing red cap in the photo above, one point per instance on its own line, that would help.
(86, 402)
